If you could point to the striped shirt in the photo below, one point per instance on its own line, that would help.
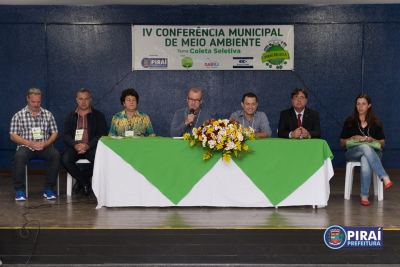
(23, 122)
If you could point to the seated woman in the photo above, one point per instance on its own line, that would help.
(364, 125)
(131, 122)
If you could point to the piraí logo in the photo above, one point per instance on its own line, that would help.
(335, 237)
(275, 54)
(145, 62)
(364, 237)
(154, 62)
(211, 64)
(187, 62)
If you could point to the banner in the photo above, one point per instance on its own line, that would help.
(265, 47)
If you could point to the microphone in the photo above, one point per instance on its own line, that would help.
(191, 112)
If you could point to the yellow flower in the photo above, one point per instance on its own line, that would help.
(210, 130)
(239, 146)
(192, 143)
(227, 156)
(200, 137)
(228, 131)
(245, 147)
(186, 136)
(220, 146)
(206, 156)
(216, 123)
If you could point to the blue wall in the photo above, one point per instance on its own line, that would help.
(42, 46)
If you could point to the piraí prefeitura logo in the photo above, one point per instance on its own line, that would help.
(275, 54)
(336, 237)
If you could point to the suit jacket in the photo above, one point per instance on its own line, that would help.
(288, 123)
(97, 127)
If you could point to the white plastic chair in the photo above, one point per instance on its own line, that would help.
(348, 186)
(69, 176)
(26, 177)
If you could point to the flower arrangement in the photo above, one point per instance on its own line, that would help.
(224, 135)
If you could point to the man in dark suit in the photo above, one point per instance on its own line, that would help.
(299, 121)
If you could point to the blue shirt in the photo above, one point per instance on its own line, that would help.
(259, 121)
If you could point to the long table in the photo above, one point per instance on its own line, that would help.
(163, 172)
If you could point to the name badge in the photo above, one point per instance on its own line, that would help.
(129, 133)
(37, 133)
(79, 135)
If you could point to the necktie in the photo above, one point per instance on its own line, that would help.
(298, 120)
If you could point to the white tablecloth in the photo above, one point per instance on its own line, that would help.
(118, 184)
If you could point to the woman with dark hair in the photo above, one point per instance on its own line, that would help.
(364, 126)
(130, 121)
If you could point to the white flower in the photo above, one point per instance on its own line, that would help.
(212, 143)
(240, 137)
(230, 145)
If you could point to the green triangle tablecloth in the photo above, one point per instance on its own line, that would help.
(277, 167)
(171, 165)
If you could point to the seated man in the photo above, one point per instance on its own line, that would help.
(83, 128)
(191, 117)
(34, 129)
(299, 121)
(250, 117)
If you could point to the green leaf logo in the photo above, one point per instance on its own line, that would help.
(187, 62)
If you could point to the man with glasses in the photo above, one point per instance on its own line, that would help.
(250, 117)
(299, 122)
(191, 117)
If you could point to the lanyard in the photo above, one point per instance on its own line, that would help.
(359, 128)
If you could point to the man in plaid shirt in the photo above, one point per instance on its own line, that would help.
(34, 129)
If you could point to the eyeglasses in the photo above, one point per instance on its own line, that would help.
(194, 100)
(299, 97)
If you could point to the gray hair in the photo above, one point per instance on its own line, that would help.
(196, 90)
(83, 90)
(34, 91)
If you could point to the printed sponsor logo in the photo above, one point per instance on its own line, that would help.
(154, 62)
(187, 62)
(211, 64)
(243, 62)
(275, 54)
(336, 237)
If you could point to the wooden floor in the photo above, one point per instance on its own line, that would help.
(69, 230)
(79, 212)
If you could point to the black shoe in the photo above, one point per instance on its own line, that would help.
(87, 189)
(77, 189)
